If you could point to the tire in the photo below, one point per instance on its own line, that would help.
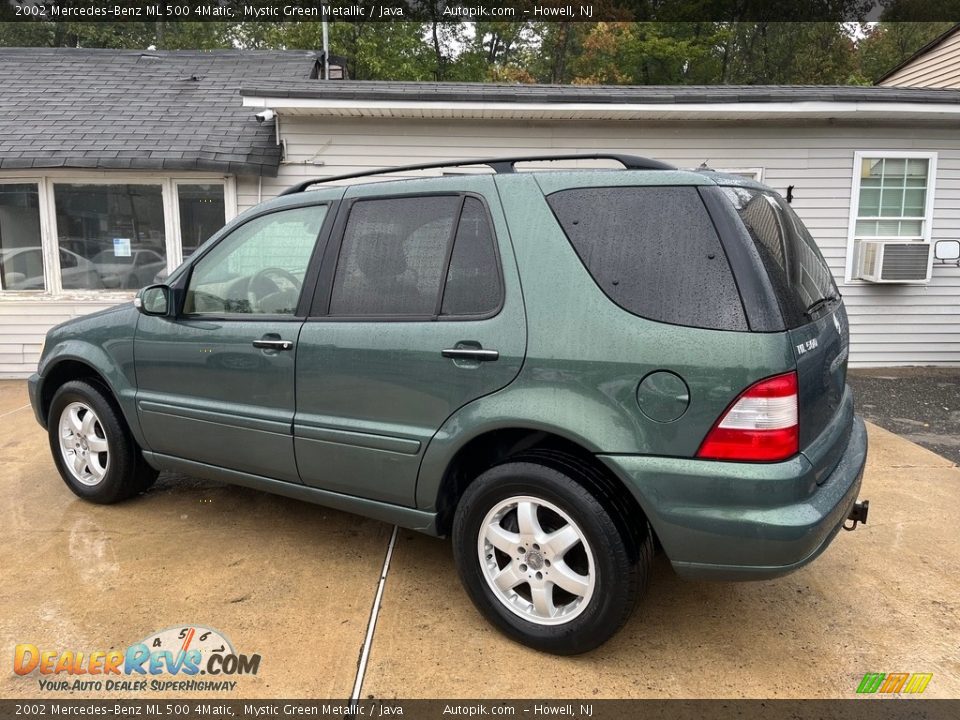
(546, 523)
(92, 447)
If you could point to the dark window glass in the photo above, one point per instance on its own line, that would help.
(473, 280)
(257, 268)
(799, 274)
(654, 252)
(392, 256)
(106, 226)
(202, 213)
(21, 259)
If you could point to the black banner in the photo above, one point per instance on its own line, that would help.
(476, 10)
(892, 708)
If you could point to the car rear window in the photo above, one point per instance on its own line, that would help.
(800, 275)
(654, 252)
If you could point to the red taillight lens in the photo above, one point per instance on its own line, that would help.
(760, 426)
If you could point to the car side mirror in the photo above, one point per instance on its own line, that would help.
(153, 300)
(946, 251)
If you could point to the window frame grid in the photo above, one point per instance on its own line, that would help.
(927, 220)
(49, 234)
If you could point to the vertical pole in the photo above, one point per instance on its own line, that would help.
(326, 43)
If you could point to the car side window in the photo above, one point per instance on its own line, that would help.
(396, 259)
(473, 279)
(654, 252)
(259, 268)
(392, 256)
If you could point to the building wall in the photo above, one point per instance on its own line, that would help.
(890, 324)
(938, 68)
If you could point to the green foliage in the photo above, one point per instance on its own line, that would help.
(618, 52)
(890, 43)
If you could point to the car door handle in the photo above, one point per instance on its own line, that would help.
(467, 353)
(265, 344)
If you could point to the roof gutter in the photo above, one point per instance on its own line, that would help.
(332, 107)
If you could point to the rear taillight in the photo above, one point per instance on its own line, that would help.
(760, 426)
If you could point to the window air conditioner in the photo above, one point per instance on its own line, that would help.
(894, 261)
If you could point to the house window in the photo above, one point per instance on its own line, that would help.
(202, 213)
(755, 173)
(892, 199)
(116, 232)
(76, 232)
(21, 254)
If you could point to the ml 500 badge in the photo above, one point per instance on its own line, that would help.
(807, 346)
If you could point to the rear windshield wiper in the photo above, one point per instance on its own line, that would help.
(819, 304)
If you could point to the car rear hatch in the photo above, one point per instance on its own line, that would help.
(815, 319)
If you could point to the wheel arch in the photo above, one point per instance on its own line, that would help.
(72, 366)
(544, 446)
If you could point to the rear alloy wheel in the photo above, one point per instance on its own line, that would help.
(545, 561)
(544, 572)
(92, 447)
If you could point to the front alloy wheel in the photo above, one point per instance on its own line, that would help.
(83, 444)
(92, 446)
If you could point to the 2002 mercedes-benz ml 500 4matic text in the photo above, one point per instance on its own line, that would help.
(557, 369)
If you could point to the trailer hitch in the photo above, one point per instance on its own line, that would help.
(858, 514)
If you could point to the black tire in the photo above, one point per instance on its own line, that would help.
(125, 472)
(620, 568)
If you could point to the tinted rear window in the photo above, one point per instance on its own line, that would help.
(799, 274)
(654, 252)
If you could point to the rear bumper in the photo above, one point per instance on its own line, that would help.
(744, 521)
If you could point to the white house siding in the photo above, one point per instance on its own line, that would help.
(890, 324)
(937, 68)
(23, 323)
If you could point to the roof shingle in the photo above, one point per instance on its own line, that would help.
(178, 110)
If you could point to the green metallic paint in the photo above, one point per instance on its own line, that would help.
(103, 341)
(206, 394)
(404, 517)
(663, 396)
(743, 520)
(364, 385)
(586, 357)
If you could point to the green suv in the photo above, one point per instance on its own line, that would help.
(558, 369)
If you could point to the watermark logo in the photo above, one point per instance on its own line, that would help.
(168, 660)
(894, 683)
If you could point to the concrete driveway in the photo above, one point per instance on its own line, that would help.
(296, 583)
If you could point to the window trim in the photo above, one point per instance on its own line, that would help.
(320, 307)
(49, 240)
(38, 181)
(858, 157)
(229, 212)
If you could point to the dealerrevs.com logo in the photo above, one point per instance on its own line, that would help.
(171, 660)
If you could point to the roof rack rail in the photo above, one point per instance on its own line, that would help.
(498, 165)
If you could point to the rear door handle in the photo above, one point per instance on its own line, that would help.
(268, 344)
(467, 353)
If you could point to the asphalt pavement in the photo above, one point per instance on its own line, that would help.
(921, 404)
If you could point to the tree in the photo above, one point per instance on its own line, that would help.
(887, 44)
